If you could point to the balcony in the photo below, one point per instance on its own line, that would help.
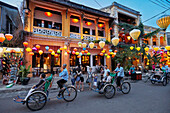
(47, 31)
(75, 35)
(89, 37)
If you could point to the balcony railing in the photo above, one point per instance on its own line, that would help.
(47, 31)
(102, 38)
(89, 37)
(75, 35)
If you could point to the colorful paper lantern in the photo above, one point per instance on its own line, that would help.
(50, 50)
(28, 49)
(56, 55)
(128, 37)
(61, 49)
(135, 33)
(111, 53)
(91, 45)
(73, 52)
(65, 53)
(47, 48)
(82, 52)
(131, 47)
(108, 56)
(115, 51)
(34, 49)
(58, 51)
(77, 53)
(79, 44)
(40, 52)
(113, 56)
(68, 52)
(78, 56)
(48, 14)
(8, 36)
(101, 54)
(101, 44)
(110, 50)
(84, 45)
(31, 53)
(146, 49)
(2, 37)
(25, 44)
(75, 49)
(108, 53)
(86, 51)
(75, 20)
(164, 21)
(115, 41)
(52, 53)
(65, 47)
(138, 48)
(88, 23)
(37, 46)
(103, 51)
(100, 25)
(105, 54)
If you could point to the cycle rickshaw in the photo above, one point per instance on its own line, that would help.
(38, 98)
(109, 89)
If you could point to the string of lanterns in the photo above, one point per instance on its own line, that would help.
(7, 36)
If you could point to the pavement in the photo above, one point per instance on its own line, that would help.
(143, 98)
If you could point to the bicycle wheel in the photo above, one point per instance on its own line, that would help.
(153, 82)
(69, 94)
(36, 101)
(109, 91)
(125, 87)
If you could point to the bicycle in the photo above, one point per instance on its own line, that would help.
(147, 76)
(38, 98)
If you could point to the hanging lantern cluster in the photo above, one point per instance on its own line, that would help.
(8, 37)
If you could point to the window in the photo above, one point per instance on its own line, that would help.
(98, 60)
(74, 29)
(93, 32)
(37, 23)
(100, 33)
(85, 60)
(74, 61)
(47, 24)
(9, 26)
(86, 31)
(57, 26)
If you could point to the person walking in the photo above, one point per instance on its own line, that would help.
(82, 78)
(89, 78)
(78, 71)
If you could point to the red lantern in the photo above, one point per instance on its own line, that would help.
(68, 52)
(101, 54)
(109, 53)
(86, 51)
(110, 28)
(78, 56)
(31, 53)
(75, 20)
(75, 49)
(82, 52)
(73, 52)
(56, 55)
(100, 25)
(48, 14)
(115, 51)
(25, 44)
(88, 23)
(113, 56)
(37, 46)
(8, 36)
(2, 37)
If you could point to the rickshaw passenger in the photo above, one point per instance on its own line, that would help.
(106, 80)
(41, 82)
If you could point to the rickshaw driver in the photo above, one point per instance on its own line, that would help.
(61, 82)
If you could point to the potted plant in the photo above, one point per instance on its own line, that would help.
(24, 72)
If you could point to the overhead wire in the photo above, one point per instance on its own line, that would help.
(158, 4)
(98, 3)
(161, 2)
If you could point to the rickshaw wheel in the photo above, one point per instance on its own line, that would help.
(164, 82)
(109, 91)
(69, 94)
(36, 101)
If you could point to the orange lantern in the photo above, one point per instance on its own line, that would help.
(8, 36)
(100, 25)
(2, 37)
(73, 52)
(75, 20)
(88, 23)
(68, 52)
(86, 51)
(50, 50)
(82, 52)
(109, 53)
(31, 53)
(37, 46)
(61, 49)
(101, 54)
(40, 52)
(52, 53)
(25, 44)
(78, 56)
(48, 14)
(75, 49)
(115, 51)
(113, 56)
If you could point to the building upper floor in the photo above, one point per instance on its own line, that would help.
(10, 19)
(60, 18)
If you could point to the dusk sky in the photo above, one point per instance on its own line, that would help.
(146, 7)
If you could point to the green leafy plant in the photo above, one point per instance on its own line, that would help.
(24, 71)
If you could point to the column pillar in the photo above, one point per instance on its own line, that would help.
(32, 7)
(107, 31)
(65, 23)
(81, 26)
(96, 29)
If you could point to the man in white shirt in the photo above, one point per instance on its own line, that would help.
(106, 70)
(120, 74)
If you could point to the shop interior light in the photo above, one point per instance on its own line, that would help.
(48, 14)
